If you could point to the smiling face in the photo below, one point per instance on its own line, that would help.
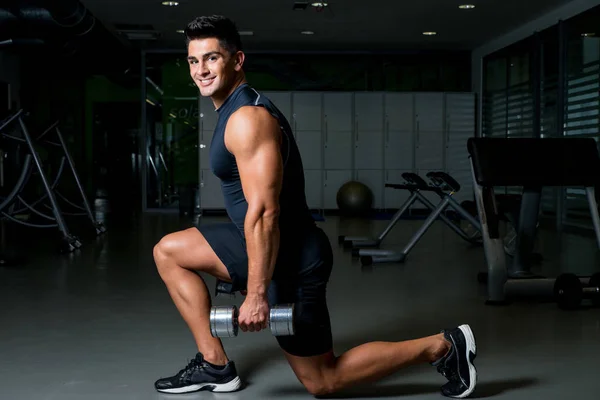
(214, 70)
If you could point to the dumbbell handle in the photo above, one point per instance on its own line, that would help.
(591, 290)
(585, 290)
(224, 321)
(236, 315)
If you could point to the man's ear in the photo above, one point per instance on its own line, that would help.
(239, 59)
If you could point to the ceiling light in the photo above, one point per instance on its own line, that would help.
(170, 3)
(319, 4)
(429, 33)
(246, 33)
(140, 35)
(466, 6)
(180, 31)
(588, 34)
(307, 32)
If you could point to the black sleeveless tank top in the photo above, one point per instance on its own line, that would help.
(295, 216)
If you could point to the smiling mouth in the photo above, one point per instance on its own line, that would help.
(206, 82)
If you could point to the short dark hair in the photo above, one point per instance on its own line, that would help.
(215, 26)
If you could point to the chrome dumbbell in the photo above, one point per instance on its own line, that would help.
(224, 320)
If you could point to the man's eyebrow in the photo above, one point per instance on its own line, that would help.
(205, 55)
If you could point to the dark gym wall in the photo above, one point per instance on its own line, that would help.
(432, 71)
(361, 72)
(59, 45)
(101, 90)
(69, 94)
(55, 92)
(10, 75)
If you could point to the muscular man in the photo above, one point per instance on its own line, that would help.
(272, 249)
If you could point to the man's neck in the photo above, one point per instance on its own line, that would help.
(218, 101)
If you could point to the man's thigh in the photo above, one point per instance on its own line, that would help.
(229, 248)
(312, 325)
(306, 287)
(189, 249)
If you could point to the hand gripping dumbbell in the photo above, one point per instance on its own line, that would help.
(569, 291)
(224, 320)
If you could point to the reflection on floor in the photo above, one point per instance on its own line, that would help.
(99, 324)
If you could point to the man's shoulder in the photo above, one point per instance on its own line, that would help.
(251, 124)
(251, 117)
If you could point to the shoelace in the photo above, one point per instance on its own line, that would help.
(448, 373)
(193, 365)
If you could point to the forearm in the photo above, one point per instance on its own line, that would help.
(262, 241)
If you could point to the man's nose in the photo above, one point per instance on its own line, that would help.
(202, 68)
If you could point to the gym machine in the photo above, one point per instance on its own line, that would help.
(570, 290)
(9, 206)
(9, 255)
(530, 163)
(445, 187)
(415, 185)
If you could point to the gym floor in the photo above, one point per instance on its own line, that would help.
(99, 324)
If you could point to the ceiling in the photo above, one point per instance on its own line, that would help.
(347, 25)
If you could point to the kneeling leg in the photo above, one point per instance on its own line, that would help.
(326, 374)
(179, 257)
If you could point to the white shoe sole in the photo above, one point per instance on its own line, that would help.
(471, 348)
(230, 386)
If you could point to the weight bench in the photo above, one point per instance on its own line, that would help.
(531, 164)
(415, 185)
(441, 182)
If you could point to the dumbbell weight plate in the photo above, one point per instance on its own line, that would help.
(568, 291)
(223, 321)
(594, 283)
(281, 320)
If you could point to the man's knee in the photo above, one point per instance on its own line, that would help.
(165, 251)
(320, 385)
(163, 248)
(184, 249)
(320, 388)
(161, 254)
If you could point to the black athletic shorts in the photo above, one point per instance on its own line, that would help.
(300, 277)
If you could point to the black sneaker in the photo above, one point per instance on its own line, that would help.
(457, 366)
(199, 375)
